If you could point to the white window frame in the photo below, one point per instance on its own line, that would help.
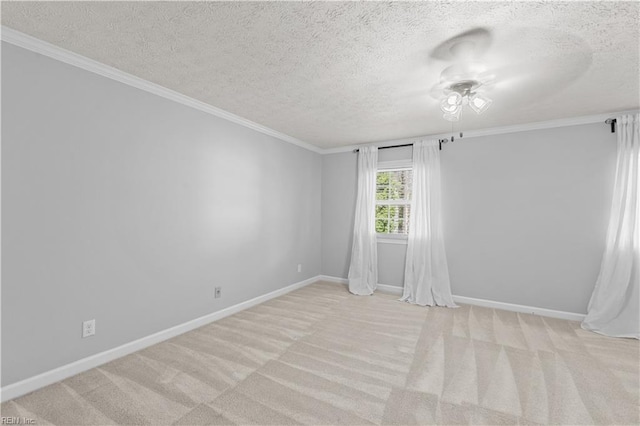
(393, 165)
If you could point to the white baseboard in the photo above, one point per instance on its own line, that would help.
(571, 316)
(330, 279)
(31, 384)
(392, 289)
(383, 288)
(25, 386)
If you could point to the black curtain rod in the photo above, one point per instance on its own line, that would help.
(387, 147)
(440, 141)
(611, 121)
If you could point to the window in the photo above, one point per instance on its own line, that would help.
(393, 200)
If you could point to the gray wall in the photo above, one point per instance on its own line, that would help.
(129, 208)
(525, 215)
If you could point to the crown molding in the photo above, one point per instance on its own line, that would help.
(525, 127)
(47, 49)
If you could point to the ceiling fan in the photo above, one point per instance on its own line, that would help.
(460, 84)
(521, 65)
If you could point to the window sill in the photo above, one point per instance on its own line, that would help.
(403, 240)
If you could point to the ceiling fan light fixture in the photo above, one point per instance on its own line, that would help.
(454, 98)
(455, 95)
(453, 116)
(479, 103)
(451, 103)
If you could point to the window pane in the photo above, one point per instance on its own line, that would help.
(393, 226)
(393, 219)
(403, 212)
(383, 178)
(393, 185)
(382, 192)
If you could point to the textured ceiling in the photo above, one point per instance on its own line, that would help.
(339, 73)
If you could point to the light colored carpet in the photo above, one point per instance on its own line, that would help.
(322, 356)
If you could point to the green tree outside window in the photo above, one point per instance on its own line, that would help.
(393, 199)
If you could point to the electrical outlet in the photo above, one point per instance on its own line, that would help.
(299, 267)
(88, 328)
(218, 292)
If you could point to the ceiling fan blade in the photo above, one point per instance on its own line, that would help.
(510, 70)
(467, 46)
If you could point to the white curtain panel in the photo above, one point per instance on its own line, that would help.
(363, 271)
(614, 306)
(426, 274)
